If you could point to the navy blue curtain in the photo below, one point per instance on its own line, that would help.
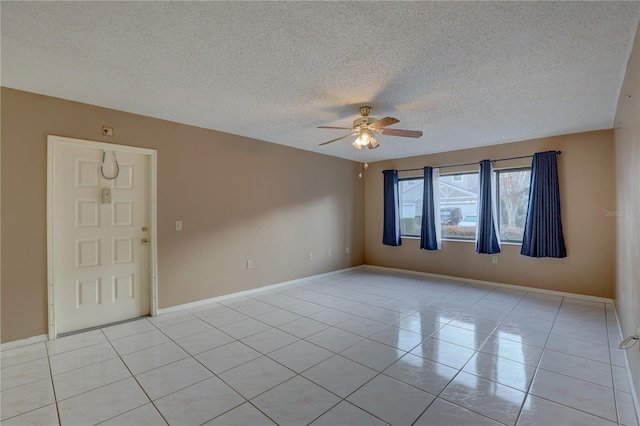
(487, 232)
(543, 229)
(429, 231)
(391, 231)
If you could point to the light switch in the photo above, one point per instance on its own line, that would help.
(178, 225)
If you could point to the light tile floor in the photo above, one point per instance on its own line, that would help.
(358, 348)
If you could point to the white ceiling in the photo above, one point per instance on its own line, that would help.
(466, 74)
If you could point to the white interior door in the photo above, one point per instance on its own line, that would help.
(101, 234)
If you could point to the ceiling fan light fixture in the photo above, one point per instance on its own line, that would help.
(366, 138)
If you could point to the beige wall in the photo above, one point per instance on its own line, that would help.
(627, 173)
(238, 199)
(587, 188)
(244, 199)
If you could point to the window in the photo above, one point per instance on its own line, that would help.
(411, 193)
(459, 204)
(513, 197)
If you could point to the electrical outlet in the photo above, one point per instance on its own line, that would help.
(178, 225)
(328, 253)
(348, 250)
(249, 264)
(494, 259)
(310, 256)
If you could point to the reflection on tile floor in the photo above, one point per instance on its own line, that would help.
(362, 347)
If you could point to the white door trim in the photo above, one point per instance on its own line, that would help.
(52, 142)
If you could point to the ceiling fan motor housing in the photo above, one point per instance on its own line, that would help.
(363, 121)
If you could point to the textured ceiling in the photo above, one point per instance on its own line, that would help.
(466, 74)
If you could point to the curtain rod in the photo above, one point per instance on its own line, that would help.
(470, 164)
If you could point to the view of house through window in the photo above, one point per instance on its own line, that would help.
(411, 191)
(513, 196)
(459, 202)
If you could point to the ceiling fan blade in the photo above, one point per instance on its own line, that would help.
(337, 139)
(384, 122)
(331, 127)
(403, 133)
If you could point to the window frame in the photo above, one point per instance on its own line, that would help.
(452, 175)
(414, 178)
(498, 206)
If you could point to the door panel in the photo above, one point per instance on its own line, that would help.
(101, 269)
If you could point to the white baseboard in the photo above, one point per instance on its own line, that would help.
(252, 291)
(493, 284)
(379, 268)
(23, 342)
(43, 337)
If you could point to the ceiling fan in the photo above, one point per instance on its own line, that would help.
(366, 128)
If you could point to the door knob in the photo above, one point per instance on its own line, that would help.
(145, 241)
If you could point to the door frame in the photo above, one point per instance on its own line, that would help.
(52, 142)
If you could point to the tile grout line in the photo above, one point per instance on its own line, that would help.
(613, 381)
(379, 373)
(401, 314)
(130, 372)
(137, 382)
(216, 375)
(53, 386)
(535, 373)
(476, 351)
(341, 399)
(540, 368)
